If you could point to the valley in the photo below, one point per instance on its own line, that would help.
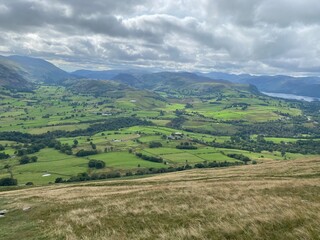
(153, 155)
(149, 124)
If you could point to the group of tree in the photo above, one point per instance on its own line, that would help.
(63, 148)
(240, 157)
(83, 153)
(98, 164)
(149, 158)
(26, 159)
(187, 146)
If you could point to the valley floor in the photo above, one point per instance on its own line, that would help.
(271, 200)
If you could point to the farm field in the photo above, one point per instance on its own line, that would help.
(52, 109)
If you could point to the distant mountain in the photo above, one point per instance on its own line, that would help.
(105, 75)
(180, 82)
(224, 76)
(305, 86)
(39, 70)
(12, 76)
(94, 87)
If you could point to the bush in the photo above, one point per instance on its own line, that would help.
(83, 153)
(149, 158)
(34, 159)
(155, 144)
(24, 160)
(59, 180)
(8, 182)
(4, 156)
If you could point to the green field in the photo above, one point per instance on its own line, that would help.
(214, 118)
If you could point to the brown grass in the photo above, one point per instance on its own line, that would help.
(272, 200)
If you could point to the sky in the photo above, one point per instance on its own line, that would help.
(234, 36)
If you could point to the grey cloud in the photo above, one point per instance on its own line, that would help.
(236, 35)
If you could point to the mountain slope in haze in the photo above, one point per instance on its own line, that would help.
(305, 86)
(12, 76)
(39, 70)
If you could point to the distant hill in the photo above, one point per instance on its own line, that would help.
(39, 70)
(12, 76)
(105, 75)
(93, 87)
(305, 86)
(181, 82)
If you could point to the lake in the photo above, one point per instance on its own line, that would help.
(291, 96)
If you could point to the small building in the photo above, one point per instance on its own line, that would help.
(176, 136)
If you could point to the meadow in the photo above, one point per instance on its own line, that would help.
(270, 200)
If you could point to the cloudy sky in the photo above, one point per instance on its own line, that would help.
(239, 36)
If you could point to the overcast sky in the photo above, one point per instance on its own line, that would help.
(240, 36)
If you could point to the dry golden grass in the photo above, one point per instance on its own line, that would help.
(271, 200)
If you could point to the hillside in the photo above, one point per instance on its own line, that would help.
(88, 86)
(39, 70)
(12, 76)
(271, 200)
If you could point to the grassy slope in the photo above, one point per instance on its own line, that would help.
(272, 200)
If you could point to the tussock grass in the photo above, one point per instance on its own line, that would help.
(272, 200)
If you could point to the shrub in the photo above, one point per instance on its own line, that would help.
(34, 159)
(83, 153)
(8, 182)
(59, 180)
(4, 156)
(155, 144)
(149, 158)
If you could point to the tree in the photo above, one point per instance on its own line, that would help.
(24, 160)
(98, 164)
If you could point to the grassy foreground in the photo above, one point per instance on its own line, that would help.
(271, 200)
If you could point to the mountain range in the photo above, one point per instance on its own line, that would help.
(21, 72)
